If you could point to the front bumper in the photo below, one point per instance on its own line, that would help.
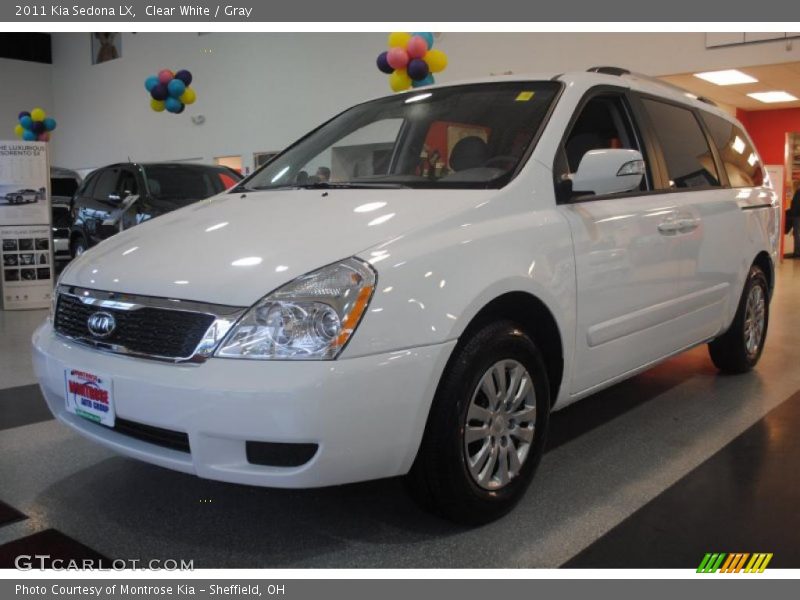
(366, 414)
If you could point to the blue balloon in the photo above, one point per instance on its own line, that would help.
(417, 69)
(26, 122)
(150, 83)
(24, 113)
(49, 123)
(427, 35)
(173, 105)
(28, 136)
(423, 82)
(176, 87)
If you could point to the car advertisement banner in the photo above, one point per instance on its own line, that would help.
(25, 231)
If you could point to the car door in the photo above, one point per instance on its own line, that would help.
(626, 267)
(708, 225)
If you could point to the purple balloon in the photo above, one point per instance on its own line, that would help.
(159, 92)
(185, 76)
(24, 113)
(37, 127)
(417, 69)
(383, 64)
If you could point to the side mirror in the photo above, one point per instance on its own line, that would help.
(609, 171)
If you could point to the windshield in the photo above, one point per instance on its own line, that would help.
(472, 136)
(180, 185)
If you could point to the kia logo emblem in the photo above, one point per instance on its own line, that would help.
(101, 324)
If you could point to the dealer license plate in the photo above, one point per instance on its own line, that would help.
(89, 395)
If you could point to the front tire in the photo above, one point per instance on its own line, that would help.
(739, 349)
(487, 427)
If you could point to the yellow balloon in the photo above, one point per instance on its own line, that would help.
(399, 39)
(188, 97)
(18, 130)
(157, 105)
(436, 59)
(399, 80)
(37, 114)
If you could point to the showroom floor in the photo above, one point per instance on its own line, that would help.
(653, 472)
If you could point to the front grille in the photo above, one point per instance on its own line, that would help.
(166, 438)
(149, 331)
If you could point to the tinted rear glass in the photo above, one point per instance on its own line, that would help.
(686, 151)
(738, 155)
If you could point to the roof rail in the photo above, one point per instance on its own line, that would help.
(618, 71)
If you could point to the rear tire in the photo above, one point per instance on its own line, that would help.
(739, 349)
(487, 427)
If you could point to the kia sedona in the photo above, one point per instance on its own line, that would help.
(120, 196)
(412, 288)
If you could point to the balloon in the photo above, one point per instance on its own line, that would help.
(157, 105)
(399, 39)
(188, 96)
(24, 113)
(26, 122)
(383, 64)
(49, 124)
(28, 135)
(159, 92)
(417, 47)
(19, 130)
(423, 82)
(397, 58)
(184, 76)
(437, 60)
(37, 114)
(399, 80)
(417, 69)
(427, 35)
(37, 127)
(150, 82)
(172, 105)
(181, 108)
(43, 137)
(176, 87)
(165, 76)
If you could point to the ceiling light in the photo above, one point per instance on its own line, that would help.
(726, 77)
(770, 97)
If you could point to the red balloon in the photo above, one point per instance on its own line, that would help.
(43, 137)
(417, 47)
(165, 76)
(397, 58)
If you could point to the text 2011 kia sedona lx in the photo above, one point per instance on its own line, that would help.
(415, 285)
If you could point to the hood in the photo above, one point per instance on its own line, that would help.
(233, 249)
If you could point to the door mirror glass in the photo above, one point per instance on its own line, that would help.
(608, 171)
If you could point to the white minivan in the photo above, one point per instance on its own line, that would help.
(415, 285)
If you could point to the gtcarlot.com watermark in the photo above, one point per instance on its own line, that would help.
(42, 562)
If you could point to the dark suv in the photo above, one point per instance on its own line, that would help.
(120, 196)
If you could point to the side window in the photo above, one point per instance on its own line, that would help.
(737, 154)
(687, 155)
(603, 123)
(87, 187)
(106, 184)
(127, 185)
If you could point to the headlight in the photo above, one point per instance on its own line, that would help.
(310, 318)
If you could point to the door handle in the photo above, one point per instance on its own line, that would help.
(687, 225)
(669, 227)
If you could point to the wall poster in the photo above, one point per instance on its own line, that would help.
(26, 246)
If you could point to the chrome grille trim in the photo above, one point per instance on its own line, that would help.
(224, 318)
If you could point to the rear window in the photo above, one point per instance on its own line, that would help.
(687, 155)
(184, 184)
(62, 186)
(737, 154)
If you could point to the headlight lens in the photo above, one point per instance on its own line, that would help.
(310, 318)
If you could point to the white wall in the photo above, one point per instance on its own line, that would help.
(259, 92)
(25, 86)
